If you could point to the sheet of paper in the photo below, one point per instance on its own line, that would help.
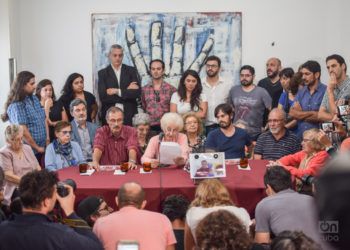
(88, 172)
(119, 172)
(168, 151)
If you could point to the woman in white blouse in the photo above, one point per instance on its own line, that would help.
(189, 96)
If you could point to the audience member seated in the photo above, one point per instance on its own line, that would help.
(92, 208)
(309, 160)
(175, 207)
(34, 229)
(54, 110)
(171, 124)
(2, 179)
(150, 230)
(115, 143)
(141, 122)
(278, 141)
(189, 96)
(290, 83)
(73, 89)
(295, 240)
(63, 152)
(284, 209)
(83, 132)
(211, 195)
(332, 200)
(223, 230)
(194, 131)
(16, 159)
(228, 138)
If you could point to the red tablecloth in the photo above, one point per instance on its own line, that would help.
(245, 186)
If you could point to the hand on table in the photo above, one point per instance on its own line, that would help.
(132, 165)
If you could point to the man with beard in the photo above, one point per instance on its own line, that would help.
(227, 138)
(272, 82)
(156, 95)
(249, 102)
(83, 131)
(215, 88)
(309, 98)
(115, 143)
(278, 141)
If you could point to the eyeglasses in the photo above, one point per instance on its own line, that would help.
(274, 120)
(157, 97)
(66, 132)
(212, 66)
(191, 122)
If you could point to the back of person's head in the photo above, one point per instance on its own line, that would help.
(222, 230)
(278, 178)
(89, 207)
(131, 194)
(312, 66)
(175, 207)
(36, 186)
(332, 200)
(345, 145)
(295, 240)
(210, 193)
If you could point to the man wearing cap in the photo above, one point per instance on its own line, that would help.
(92, 208)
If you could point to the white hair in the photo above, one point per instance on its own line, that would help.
(171, 118)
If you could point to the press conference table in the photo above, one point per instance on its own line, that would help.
(245, 186)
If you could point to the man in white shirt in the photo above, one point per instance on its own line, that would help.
(215, 88)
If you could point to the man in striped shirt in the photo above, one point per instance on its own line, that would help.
(278, 141)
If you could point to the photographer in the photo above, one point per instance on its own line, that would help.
(34, 229)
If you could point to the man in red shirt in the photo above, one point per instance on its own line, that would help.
(115, 143)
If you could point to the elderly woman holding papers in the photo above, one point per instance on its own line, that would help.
(171, 124)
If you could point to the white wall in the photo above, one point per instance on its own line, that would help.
(52, 38)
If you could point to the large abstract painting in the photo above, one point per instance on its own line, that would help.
(182, 40)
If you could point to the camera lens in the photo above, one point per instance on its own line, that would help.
(62, 190)
(216, 156)
(196, 156)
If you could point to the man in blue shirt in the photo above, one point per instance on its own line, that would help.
(227, 138)
(309, 98)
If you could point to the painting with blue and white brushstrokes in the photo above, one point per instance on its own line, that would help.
(182, 40)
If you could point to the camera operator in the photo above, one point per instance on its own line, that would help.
(34, 229)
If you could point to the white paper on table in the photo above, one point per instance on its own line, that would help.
(118, 172)
(168, 151)
(88, 172)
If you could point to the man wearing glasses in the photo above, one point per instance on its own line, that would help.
(156, 95)
(278, 141)
(215, 88)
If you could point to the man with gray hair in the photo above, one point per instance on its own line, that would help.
(83, 132)
(118, 85)
(150, 230)
(278, 141)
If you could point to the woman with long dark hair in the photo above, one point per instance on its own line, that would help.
(54, 110)
(74, 88)
(189, 96)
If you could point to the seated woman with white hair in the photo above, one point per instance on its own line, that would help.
(171, 124)
(142, 123)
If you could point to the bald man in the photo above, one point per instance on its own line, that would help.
(150, 230)
(278, 141)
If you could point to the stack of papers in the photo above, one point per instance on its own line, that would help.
(168, 151)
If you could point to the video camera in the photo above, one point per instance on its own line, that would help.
(62, 190)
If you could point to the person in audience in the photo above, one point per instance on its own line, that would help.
(228, 138)
(194, 131)
(232, 233)
(150, 229)
(309, 98)
(156, 95)
(295, 240)
(115, 143)
(92, 208)
(73, 89)
(309, 160)
(290, 83)
(338, 88)
(142, 123)
(216, 90)
(189, 96)
(2, 179)
(118, 85)
(345, 145)
(284, 209)
(171, 124)
(54, 110)
(23, 108)
(278, 141)
(63, 152)
(272, 82)
(211, 195)
(16, 159)
(249, 102)
(83, 132)
(34, 229)
(175, 207)
(332, 192)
